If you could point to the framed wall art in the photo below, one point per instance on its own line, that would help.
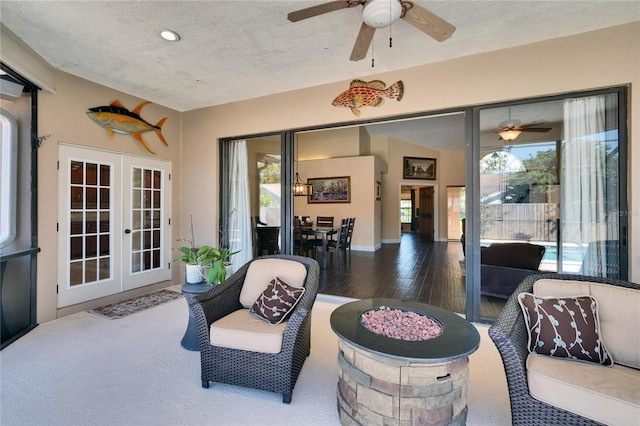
(330, 190)
(419, 168)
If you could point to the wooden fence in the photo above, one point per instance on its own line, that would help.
(531, 221)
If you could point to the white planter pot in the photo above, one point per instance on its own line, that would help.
(229, 268)
(195, 274)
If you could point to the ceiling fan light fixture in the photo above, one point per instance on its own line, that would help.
(381, 13)
(509, 134)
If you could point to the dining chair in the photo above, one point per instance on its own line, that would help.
(324, 221)
(337, 247)
(301, 244)
(352, 223)
(268, 240)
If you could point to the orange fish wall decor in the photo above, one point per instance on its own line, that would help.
(372, 93)
(116, 118)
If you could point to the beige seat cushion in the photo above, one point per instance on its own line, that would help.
(241, 330)
(609, 395)
(262, 271)
(618, 309)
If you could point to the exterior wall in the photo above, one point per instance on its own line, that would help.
(591, 60)
(63, 116)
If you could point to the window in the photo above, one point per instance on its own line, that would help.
(8, 177)
(405, 211)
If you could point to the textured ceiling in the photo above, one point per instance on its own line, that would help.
(235, 50)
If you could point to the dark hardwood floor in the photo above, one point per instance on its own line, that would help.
(416, 269)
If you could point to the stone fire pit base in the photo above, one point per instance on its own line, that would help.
(374, 389)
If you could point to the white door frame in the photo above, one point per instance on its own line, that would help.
(114, 273)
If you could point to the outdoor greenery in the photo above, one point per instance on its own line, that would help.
(269, 172)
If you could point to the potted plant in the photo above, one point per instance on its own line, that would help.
(219, 265)
(206, 263)
(195, 261)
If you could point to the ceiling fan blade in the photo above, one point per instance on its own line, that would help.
(429, 23)
(320, 9)
(535, 129)
(363, 41)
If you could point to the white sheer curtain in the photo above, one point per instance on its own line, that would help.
(239, 226)
(583, 209)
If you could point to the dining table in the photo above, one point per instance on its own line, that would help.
(324, 232)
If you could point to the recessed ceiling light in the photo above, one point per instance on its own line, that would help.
(169, 35)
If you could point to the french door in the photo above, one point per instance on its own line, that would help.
(113, 217)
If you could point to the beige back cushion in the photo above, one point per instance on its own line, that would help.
(262, 271)
(618, 309)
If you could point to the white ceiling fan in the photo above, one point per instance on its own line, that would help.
(380, 14)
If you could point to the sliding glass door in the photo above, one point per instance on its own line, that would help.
(552, 174)
(251, 196)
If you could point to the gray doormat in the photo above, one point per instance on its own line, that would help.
(135, 304)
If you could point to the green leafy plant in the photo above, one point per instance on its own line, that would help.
(214, 260)
(203, 256)
(217, 271)
(211, 258)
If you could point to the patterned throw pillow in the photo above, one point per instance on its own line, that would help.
(276, 301)
(564, 327)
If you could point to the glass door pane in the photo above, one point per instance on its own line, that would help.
(265, 183)
(146, 219)
(549, 177)
(589, 220)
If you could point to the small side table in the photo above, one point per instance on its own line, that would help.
(190, 339)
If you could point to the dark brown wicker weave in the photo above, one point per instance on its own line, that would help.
(271, 372)
(510, 336)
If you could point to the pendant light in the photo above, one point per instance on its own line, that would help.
(300, 188)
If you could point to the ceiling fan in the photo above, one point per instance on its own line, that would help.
(380, 14)
(511, 129)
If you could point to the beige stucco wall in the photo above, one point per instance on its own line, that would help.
(592, 60)
(63, 116)
(332, 143)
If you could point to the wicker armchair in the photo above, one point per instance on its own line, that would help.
(275, 372)
(511, 338)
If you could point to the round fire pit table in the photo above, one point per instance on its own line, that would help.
(382, 380)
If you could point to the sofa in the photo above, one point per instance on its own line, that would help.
(503, 266)
(551, 390)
